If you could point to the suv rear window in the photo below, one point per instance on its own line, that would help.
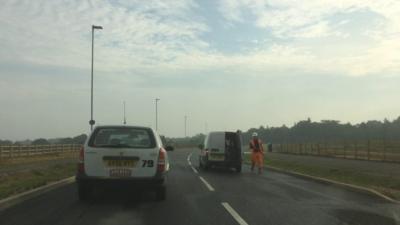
(122, 137)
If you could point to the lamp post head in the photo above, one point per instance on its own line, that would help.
(96, 27)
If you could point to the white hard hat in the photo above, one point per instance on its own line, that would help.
(254, 134)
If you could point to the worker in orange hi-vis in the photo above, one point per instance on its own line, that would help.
(257, 153)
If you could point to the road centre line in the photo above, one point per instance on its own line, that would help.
(396, 218)
(188, 159)
(210, 188)
(234, 214)
(194, 169)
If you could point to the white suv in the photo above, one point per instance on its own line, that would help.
(125, 155)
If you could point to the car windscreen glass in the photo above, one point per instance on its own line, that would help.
(122, 137)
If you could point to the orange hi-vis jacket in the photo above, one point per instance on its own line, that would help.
(256, 147)
(257, 154)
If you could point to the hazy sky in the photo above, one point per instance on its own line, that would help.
(232, 64)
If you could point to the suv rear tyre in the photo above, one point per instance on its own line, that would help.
(161, 193)
(84, 191)
(238, 168)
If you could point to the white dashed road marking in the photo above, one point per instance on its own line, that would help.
(210, 188)
(234, 214)
(194, 170)
(208, 185)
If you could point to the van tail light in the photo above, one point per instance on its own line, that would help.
(81, 163)
(161, 165)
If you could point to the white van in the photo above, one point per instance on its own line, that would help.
(124, 155)
(221, 149)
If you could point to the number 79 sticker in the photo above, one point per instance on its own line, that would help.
(147, 163)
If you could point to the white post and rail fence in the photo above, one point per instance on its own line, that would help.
(20, 151)
(374, 150)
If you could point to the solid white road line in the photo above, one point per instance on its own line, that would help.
(396, 218)
(210, 188)
(234, 214)
(194, 169)
(189, 156)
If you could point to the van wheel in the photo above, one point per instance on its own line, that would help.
(239, 168)
(206, 166)
(84, 192)
(161, 193)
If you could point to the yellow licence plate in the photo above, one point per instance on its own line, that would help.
(217, 157)
(127, 163)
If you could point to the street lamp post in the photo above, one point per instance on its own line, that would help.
(157, 99)
(185, 125)
(124, 114)
(92, 122)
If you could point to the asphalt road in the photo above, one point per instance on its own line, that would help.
(214, 197)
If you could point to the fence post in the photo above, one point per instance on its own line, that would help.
(334, 150)
(356, 150)
(384, 150)
(368, 149)
(344, 149)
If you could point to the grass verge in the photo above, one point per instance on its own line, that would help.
(27, 180)
(7, 162)
(387, 185)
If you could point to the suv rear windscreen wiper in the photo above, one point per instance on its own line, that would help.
(114, 146)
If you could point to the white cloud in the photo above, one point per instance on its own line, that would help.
(290, 19)
(318, 30)
(157, 48)
(159, 37)
(58, 33)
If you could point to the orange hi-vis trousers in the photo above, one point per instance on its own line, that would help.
(257, 158)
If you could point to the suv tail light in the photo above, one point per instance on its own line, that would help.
(81, 163)
(161, 160)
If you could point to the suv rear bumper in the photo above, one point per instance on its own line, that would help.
(157, 180)
(232, 163)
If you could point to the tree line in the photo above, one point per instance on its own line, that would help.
(301, 132)
(79, 139)
(306, 131)
(328, 131)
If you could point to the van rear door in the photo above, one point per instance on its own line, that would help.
(216, 146)
(233, 147)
